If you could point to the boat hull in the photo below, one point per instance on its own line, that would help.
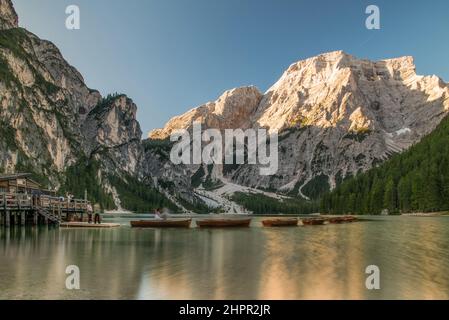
(313, 222)
(280, 223)
(223, 223)
(340, 220)
(161, 223)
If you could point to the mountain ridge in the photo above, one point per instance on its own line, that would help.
(70, 137)
(336, 115)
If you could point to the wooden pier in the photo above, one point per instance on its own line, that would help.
(23, 201)
(25, 209)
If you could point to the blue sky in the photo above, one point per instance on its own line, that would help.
(172, 55)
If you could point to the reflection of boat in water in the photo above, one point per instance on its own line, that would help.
(88, 225)
(173, 223)
(345, 219)
(280, 222)
(223, 223)
(313, 221)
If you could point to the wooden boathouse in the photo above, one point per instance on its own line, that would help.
(23, 202)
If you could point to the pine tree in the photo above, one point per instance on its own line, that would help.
(390, 197)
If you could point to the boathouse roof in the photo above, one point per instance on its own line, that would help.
(5, 177)
(13, 179)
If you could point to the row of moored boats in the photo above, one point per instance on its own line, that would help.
(240, 223)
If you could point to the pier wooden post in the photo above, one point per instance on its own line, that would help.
(22, 218)
(2, 222)
(8, 219)
(46, 221)
(16, 218)
(35, 216)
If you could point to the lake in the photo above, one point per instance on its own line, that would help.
(314, 262)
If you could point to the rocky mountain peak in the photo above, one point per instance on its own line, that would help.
(238, 100)
(330, 59)
(8, 15)
(325, 67)
(326, 91)
(333, 89)
(233, 109)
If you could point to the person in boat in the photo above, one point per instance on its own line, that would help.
(160, 216)
(157, 214)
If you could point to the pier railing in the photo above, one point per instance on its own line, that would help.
(10, 201)
(17, 201)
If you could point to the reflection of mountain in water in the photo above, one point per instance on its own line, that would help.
(299, 263)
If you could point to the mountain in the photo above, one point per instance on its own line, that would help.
(336, 115)
(66, 134)
(414, 181)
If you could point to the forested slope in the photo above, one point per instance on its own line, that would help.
(414, 181)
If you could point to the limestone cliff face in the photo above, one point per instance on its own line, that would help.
(336, 115)
(112, 131)
(54, 126)
(337, 89)
(50, 119)
(232, 110)
(8, 16)
(41, 116)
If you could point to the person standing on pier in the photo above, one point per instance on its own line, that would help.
(89, 213)
(97, 218)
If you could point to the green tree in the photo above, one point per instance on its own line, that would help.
(390, 197)
(416, 180)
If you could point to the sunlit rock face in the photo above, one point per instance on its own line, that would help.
(233, 109)
(8, 16)
(335, 114)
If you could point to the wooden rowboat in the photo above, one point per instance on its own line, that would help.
(161, 223)
(223, 223)
(313, 221)
(338, 220)
(280, 223)
(350, 219)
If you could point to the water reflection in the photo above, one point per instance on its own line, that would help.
(325, 262)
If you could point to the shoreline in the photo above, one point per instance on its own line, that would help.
(430, 214)
(198, 215)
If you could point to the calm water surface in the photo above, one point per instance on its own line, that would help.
(322, 262)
